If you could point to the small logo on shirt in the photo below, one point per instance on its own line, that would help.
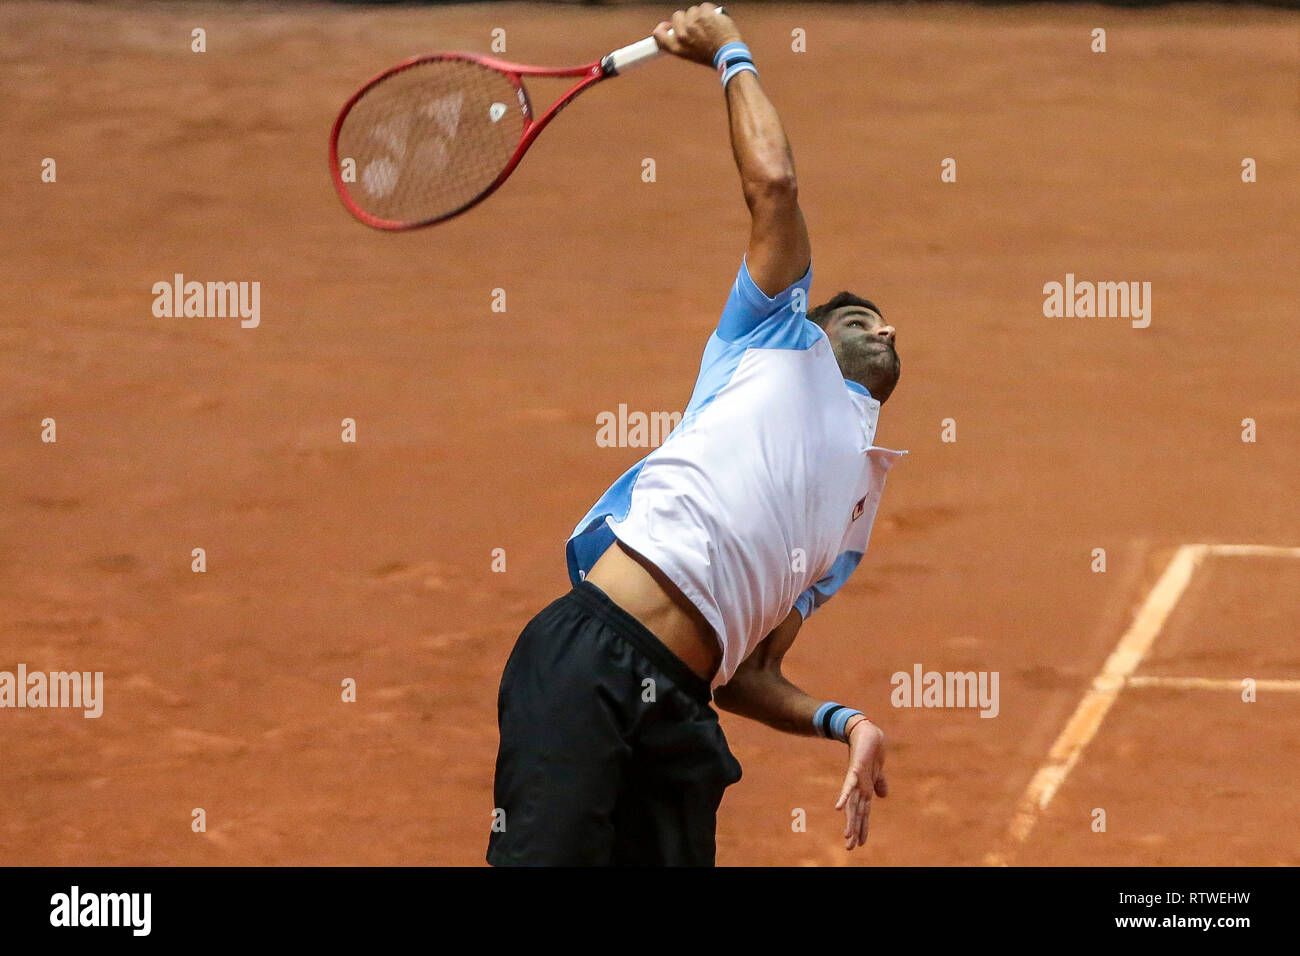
(860, 507)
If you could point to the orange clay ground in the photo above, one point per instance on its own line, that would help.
(476, 429)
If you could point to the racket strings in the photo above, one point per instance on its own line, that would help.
(430, 139)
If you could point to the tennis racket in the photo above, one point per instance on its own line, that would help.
(438, 134)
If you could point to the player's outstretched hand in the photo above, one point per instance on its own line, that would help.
(866, 777)
(696, 33)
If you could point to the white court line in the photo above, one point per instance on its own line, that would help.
(1252, 550)
(1118, 671)
(1211, 683)
(1087, 717)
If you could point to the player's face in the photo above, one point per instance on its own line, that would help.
(866, 347)
(858, 324)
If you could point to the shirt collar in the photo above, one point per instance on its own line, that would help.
(855, 387)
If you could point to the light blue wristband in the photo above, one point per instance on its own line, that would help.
(728, 51)
(737, 68)
(831, 719)
(732, 59)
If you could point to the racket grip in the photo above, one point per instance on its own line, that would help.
(626, 57)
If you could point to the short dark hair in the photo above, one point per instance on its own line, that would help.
(821, 314)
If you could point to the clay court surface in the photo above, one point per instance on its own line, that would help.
(476, 430)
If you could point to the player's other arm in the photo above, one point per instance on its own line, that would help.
(779, 252)
(760, 691)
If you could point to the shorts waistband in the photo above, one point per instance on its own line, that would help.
(599, 605)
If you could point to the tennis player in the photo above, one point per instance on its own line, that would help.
(695, 571)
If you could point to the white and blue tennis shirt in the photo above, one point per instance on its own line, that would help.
(762, 498)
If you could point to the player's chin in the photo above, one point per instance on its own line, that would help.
(878, 365)
(886, 363)
(882, 376)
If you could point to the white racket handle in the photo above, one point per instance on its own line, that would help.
(626, 57)
(642, 51)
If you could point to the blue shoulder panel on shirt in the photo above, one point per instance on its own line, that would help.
(754, 319)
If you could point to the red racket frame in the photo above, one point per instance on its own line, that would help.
(591, 73)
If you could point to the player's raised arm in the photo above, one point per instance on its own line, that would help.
(779, 252)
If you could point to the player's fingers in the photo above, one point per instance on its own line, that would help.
(850, 784)
(882, 787)
(666, 39)
(851, 821)
(689, 31)
(671, 39)
(865, 820)
(848, 817)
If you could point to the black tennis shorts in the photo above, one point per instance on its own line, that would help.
(610, 751)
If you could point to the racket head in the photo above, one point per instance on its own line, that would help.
(429, 139)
